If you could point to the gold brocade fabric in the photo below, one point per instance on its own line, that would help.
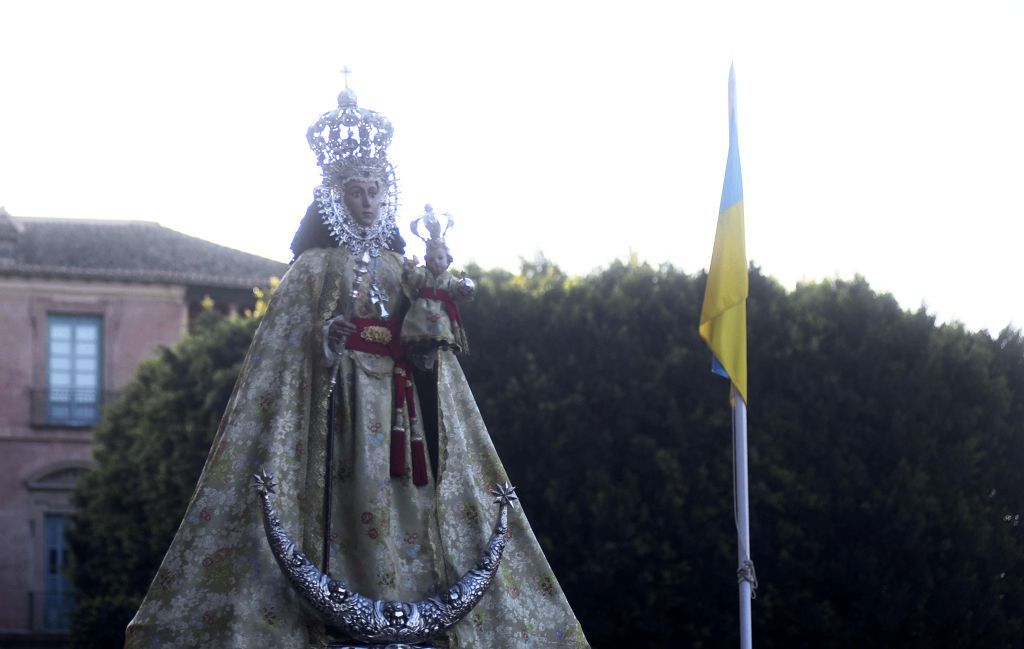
(219, 585)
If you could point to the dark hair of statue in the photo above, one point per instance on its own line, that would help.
(313, 233)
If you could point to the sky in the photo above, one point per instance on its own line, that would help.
(880, 139)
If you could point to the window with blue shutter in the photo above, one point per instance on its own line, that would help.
(74, 379)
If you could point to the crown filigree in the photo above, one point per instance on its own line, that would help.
(350, 136)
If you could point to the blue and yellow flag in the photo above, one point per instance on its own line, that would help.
(723, 318)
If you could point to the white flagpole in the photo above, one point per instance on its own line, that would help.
(745, 569)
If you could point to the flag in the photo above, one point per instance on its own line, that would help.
(723, 317)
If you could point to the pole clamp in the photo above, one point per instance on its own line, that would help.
(746, 573)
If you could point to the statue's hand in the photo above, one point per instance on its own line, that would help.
(409, 265)
(464, 288)
(334, 333)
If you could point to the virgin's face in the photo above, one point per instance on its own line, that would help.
(363, 200)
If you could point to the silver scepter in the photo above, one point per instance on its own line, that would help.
(359, 271)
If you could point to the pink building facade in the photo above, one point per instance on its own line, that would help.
(82, 303)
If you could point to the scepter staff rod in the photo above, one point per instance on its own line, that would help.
(359, 271)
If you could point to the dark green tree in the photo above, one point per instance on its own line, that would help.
(882, 454)
(885, 460)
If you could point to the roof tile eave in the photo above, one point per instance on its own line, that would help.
(134, 251)
(143, 277)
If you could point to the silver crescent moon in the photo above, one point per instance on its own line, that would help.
(380, 621)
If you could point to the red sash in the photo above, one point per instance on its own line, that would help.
(381, 338)
(444, 297)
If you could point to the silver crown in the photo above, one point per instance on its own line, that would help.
(350, 136)
(432, 224)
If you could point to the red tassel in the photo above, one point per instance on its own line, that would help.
(397, 453)
(419, 463)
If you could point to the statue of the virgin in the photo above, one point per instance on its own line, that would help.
(383, 466)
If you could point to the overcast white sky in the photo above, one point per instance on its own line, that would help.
(879, 138)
